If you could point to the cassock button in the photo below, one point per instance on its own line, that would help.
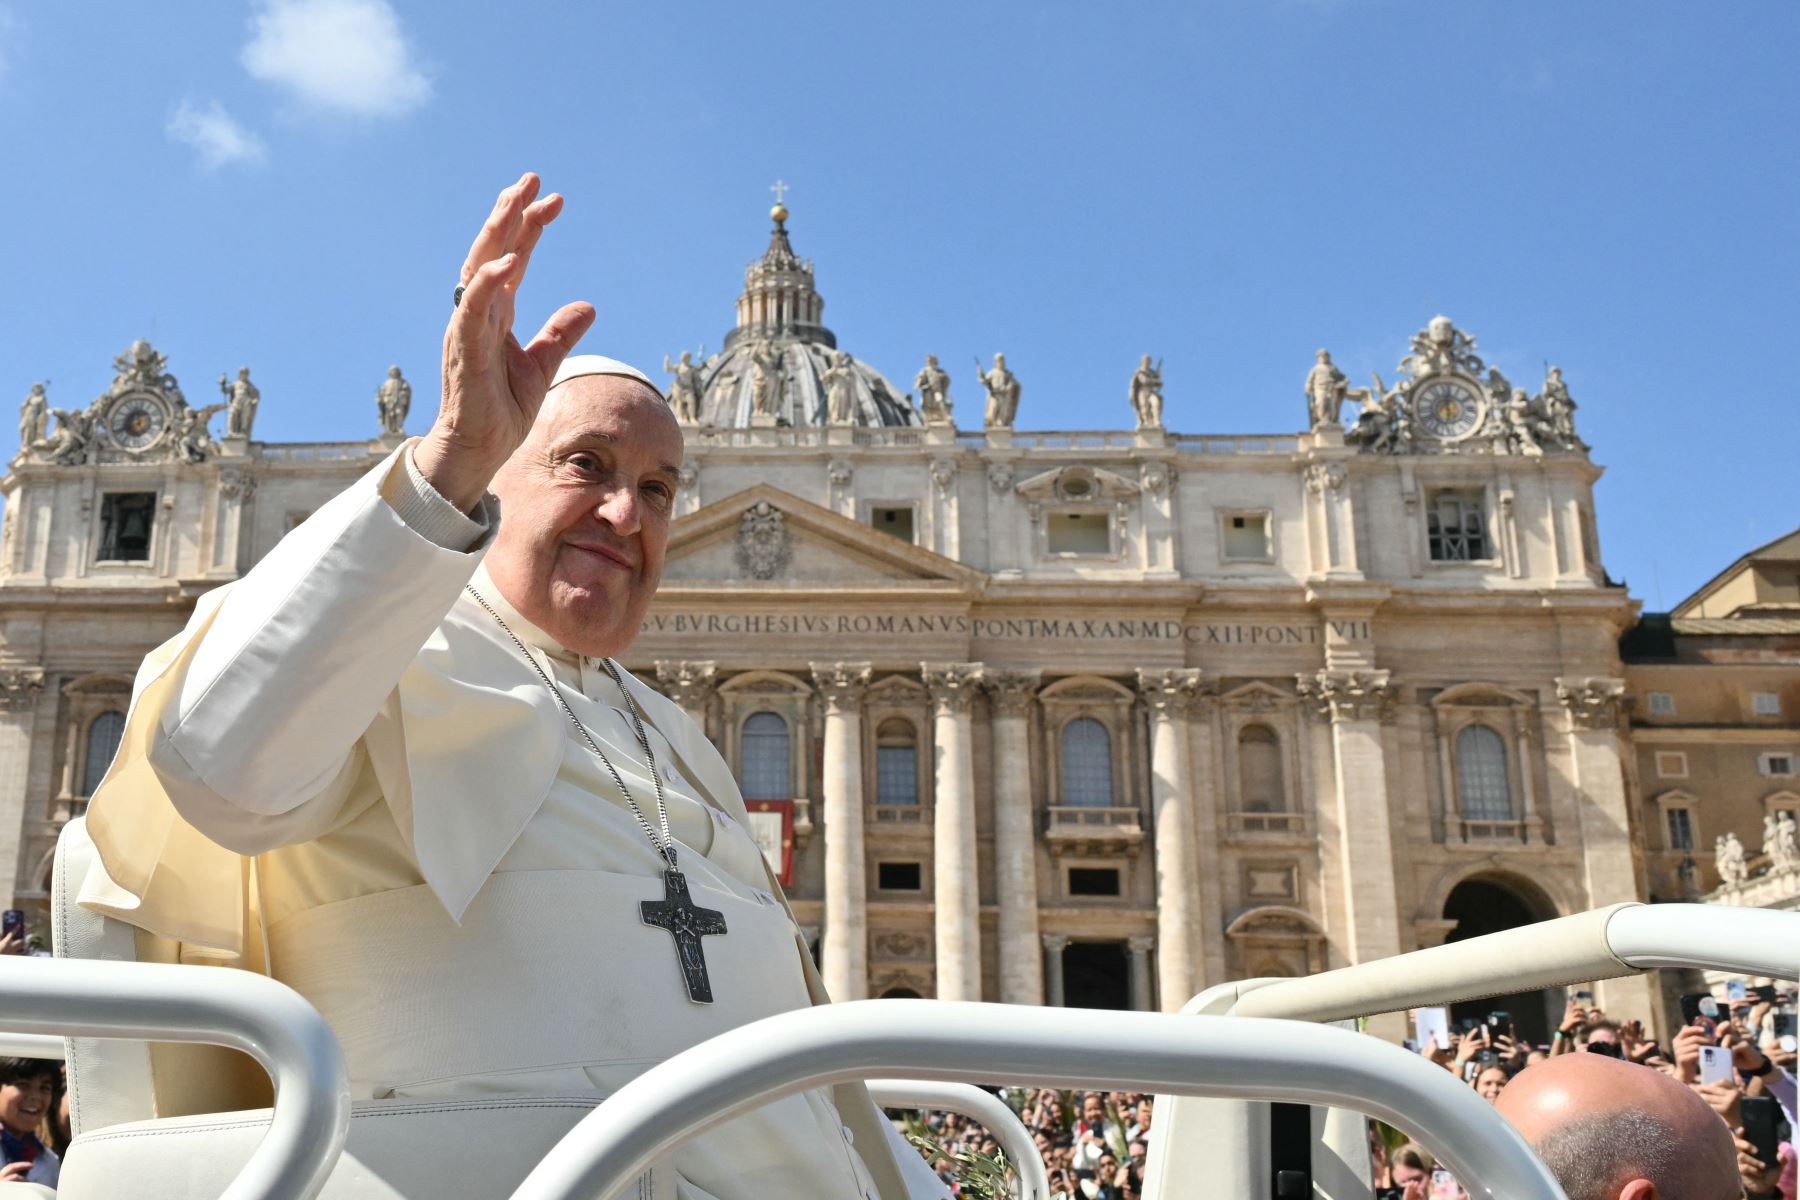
(849, 1135)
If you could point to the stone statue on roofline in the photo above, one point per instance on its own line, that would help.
(1002, 393)
(839, 380)
(684, 392)
(393, 400)
(1728, 857)
(34, 418)
(933, 384)
(1326, 389)
(767, 379)
(1146, 394)
(241, 399)
(1781, 842)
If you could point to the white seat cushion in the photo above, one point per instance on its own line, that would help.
(468, 1149)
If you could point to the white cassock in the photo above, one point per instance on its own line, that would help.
(344, 772)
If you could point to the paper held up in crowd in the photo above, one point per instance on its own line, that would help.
(1431, 1023)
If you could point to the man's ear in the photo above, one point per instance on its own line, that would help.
(1638, 1189)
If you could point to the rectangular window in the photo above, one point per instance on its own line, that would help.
(1455, 528)
(1671, 764)
(1078, 533)
(1681, 829)
(896, 775)
(898, 876)
(897, 522)
(126, 521)
(1246, 537)
(1662, 704)
(1093, 881)
(1776, 764)
(1766, 704)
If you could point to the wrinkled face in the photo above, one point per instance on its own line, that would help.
(1489, 1083)
(585, 507)
(23, 1104)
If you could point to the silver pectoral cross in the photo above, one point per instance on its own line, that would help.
(688, 922)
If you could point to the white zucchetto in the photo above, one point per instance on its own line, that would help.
(577, 365)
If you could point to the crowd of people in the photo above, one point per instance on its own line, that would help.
(1093, 1143)
(1748, 1032)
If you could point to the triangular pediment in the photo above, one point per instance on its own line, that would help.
(765, 537)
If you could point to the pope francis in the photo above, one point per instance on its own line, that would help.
(396, 767)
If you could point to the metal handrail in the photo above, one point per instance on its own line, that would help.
(32, 1045)
(970, 1101)
(782, 1055)
(269, 1021)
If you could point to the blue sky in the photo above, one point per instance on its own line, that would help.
(1608, 187)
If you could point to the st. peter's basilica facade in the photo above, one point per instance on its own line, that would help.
(1089, 717)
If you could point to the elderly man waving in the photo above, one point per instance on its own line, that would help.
(396, 767)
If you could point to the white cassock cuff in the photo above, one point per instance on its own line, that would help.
(427, 513)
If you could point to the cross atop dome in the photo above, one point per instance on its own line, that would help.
(779, 214)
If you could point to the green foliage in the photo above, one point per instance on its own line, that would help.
(980, 1176)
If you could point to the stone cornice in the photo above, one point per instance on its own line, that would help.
(842, 684)
(952, 685)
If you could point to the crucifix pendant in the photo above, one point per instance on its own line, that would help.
(688, 922)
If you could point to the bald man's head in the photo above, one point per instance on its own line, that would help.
(1613, 1130)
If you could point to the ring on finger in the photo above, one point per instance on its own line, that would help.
(456, 296)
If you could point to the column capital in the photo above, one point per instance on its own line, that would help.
(688, 683)
(841, 684)
(1172, 691)
(951, 685)
(1348, 695)
(19, 688)
(1324, 476)
(1055, 943)
(1011, 692)
(1140, 945)
(1593, 703)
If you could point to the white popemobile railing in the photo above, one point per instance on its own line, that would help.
(970, 1101)
(156, 1002)
(601, 1158)
(1606, 943)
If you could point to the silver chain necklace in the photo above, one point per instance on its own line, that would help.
(676, 912)
(665, 845)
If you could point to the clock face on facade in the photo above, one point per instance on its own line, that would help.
(137, 421)
(1448, 409)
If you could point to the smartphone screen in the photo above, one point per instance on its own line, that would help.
(1443, 1186)
(1715, 1064)
(13, 921)
(1736, 990)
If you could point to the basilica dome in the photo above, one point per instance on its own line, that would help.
(772, 368)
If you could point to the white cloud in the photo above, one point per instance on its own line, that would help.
(214, 133)
(345, 57)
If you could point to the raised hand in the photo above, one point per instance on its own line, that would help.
(493, 386)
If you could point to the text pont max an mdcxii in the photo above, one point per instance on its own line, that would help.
(996, 628)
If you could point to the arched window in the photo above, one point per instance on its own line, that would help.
(765, 771)
(102, 743)
(1260, 788)
(1482, 791)
(896, 763)
(1087, 764)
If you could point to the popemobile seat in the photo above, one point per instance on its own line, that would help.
(178, 1121)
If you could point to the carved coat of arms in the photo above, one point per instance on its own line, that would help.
(763, 542)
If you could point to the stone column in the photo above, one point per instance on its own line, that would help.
(19, 692)
(1358, 704)
(957, 920)
(690, 685)
(1015, 840)
(1335, 543)
(1138, 948)
(1603, 815)
(1169, 696)
(236, 487)
(1054, 945)
(844, 952)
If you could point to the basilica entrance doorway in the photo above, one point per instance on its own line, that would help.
(1095, 975)
(1489, 904)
